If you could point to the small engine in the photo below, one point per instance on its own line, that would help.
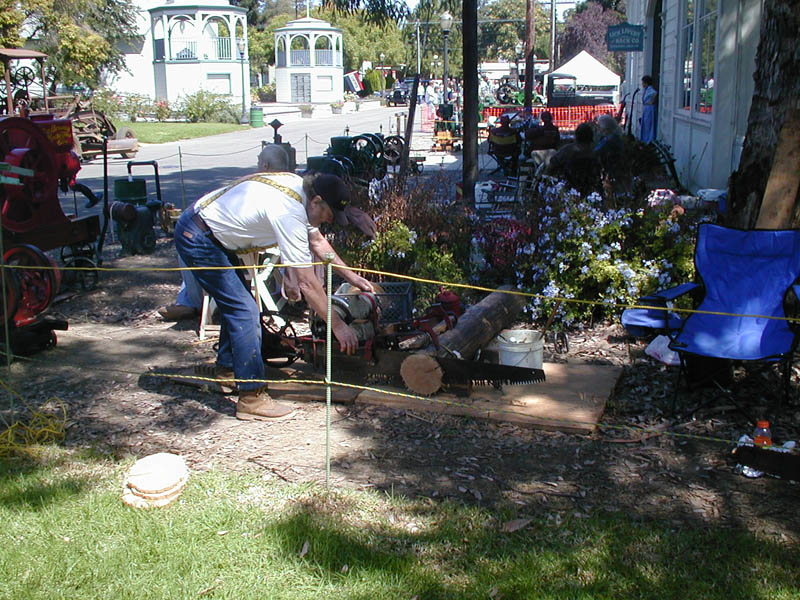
(360, 311)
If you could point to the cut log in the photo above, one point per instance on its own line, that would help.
(422, 374)
(423, 339)
(479, 325)
(784, 178)
(475, 328)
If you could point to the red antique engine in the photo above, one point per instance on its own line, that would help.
(39, 157)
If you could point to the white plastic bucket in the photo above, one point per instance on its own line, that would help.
(520, 348)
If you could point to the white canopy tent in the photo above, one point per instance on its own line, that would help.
(591, 75)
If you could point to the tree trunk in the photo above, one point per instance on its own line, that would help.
(777, 89)
(469, 32)
(784, 178)
(530, 41)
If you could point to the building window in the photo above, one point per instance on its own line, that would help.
(324, 83)
(698, 46)
(219, 83)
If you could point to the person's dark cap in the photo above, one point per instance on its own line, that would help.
(584, 133)
(546, 116)
(334, 192)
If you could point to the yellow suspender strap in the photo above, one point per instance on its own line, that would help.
(260, 179)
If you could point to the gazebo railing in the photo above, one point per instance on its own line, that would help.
(324, 57)
(301, 58)
(183, 49)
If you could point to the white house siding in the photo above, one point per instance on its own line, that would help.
(139, 77)
(706, 147)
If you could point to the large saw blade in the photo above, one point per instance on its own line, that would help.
(385, 367)
(482, 373)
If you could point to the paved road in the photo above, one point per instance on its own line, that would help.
(190, 168)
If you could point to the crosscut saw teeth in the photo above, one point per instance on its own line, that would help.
(479, 373)
(385, 368)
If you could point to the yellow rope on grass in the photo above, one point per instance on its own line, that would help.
(19, 437)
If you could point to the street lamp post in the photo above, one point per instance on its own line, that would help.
(383, 76)
(446, 22)
(518, 53)
(241, 47)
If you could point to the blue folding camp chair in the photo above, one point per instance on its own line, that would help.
(745, 277)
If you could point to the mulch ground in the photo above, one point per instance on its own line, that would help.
(644, 459)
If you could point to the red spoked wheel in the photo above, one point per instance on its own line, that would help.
(12, 294)
(37, 287)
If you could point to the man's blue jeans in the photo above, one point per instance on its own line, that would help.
(240, 331)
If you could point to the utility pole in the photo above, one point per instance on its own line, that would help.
(552, 35)
(530, 59)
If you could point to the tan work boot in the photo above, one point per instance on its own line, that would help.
(177, 312)
(257, 405)
(223, 375)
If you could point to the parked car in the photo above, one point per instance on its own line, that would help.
(397, 97)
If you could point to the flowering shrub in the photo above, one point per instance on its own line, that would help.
(162, 109)
(136, 105)
(108, 102)
(207, 107)
(422, 232)
(265, 93)
(577, 249)
(499, 240)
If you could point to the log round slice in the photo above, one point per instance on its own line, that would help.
(422, 374)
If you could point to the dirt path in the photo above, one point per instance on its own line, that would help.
(99, 370)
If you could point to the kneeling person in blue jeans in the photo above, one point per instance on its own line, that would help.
(255, 212)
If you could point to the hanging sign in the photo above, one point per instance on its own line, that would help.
(625, 38)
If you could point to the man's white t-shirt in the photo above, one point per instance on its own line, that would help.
(253, 215)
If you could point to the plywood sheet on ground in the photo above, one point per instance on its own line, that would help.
(572, 399)
(293, 385)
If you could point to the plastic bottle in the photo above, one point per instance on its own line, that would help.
(762, 436)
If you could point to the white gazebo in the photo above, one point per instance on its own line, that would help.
(200, 46)
(303, 76)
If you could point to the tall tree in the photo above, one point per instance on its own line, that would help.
(11, 18)
(260, 12)
(585, 29)
(83, 38)
(497, 40)
(776, 93)
(367, 43)
(261, 50)
(377, 12)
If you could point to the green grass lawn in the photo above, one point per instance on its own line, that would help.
(66, 534)
(159, 133)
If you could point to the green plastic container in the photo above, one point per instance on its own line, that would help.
(133, 190)
(256, 116)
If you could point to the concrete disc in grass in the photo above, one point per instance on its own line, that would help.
(155, 480)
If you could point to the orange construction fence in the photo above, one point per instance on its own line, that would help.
(564, 117)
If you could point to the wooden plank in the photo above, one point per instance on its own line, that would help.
(288, 389)
(571, 400)
(784, 178)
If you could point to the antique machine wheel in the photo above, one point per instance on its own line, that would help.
(9, 308)
(393, 149)
(23, 144)
(365, 154)
(38, 287)
(79, 256)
